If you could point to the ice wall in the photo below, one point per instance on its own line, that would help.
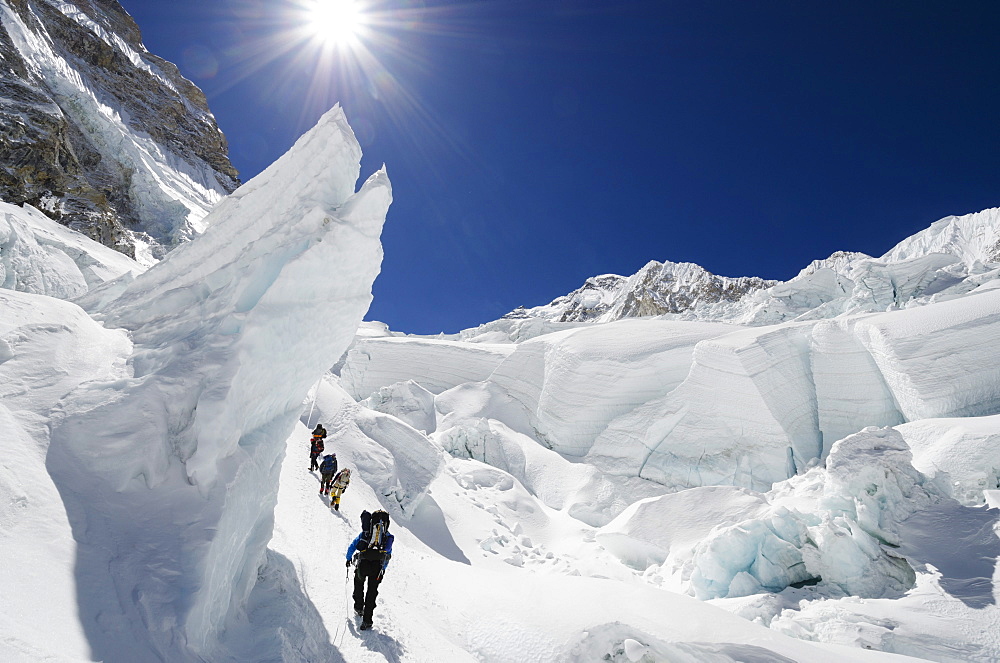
(575, 382)
(759, 405)
(939, 360)
(691, 404)
(436, 365)
(837, 526)
(170, 477)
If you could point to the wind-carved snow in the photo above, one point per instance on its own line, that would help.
(170, 476)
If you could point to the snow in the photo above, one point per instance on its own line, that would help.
(477, 532)
(961, 453)
(47, 348)
(40, 256)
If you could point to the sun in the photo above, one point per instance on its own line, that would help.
(336, 22)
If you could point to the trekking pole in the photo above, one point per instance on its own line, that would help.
(347, 617)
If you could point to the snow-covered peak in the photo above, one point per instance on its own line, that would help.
(971, 238)
(953, 257)
(656, 289)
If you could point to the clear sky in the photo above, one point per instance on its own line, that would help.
(532, 144)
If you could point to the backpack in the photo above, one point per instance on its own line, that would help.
(329, 464)
(374, 531)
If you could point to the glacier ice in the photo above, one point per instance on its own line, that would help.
(960, 453)
(376, 362)
(169, 476)
(40, 256)
(837, 525)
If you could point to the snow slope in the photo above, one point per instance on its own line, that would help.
(47, 349)
(40, 256)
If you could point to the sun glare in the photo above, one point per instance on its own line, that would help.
(338, 22)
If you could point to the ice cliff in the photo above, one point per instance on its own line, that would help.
(170, 472)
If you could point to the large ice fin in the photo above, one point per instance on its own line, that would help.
(171, 485)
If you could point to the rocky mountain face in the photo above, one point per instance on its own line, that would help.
(656, 289)
(101, 135)
(953, 257)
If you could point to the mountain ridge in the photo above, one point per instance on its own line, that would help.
(101, 135)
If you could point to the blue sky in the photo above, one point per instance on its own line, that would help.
(532, 144)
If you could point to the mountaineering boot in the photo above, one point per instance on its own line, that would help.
(365, 626)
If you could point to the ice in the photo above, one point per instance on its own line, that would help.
(40, 256)
(939, 360)
(961, 453)
(850, 390)
(170, 475)
(744, 415)
(408, 402)
(836, 526)
(436, 365)
(575, 382)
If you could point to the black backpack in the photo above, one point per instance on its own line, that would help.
(374, 532)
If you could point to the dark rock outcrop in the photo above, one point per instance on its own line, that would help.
(90, 121)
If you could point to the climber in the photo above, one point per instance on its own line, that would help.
(326, 471)
(338, 487)
(370, 551)
(315, 449)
